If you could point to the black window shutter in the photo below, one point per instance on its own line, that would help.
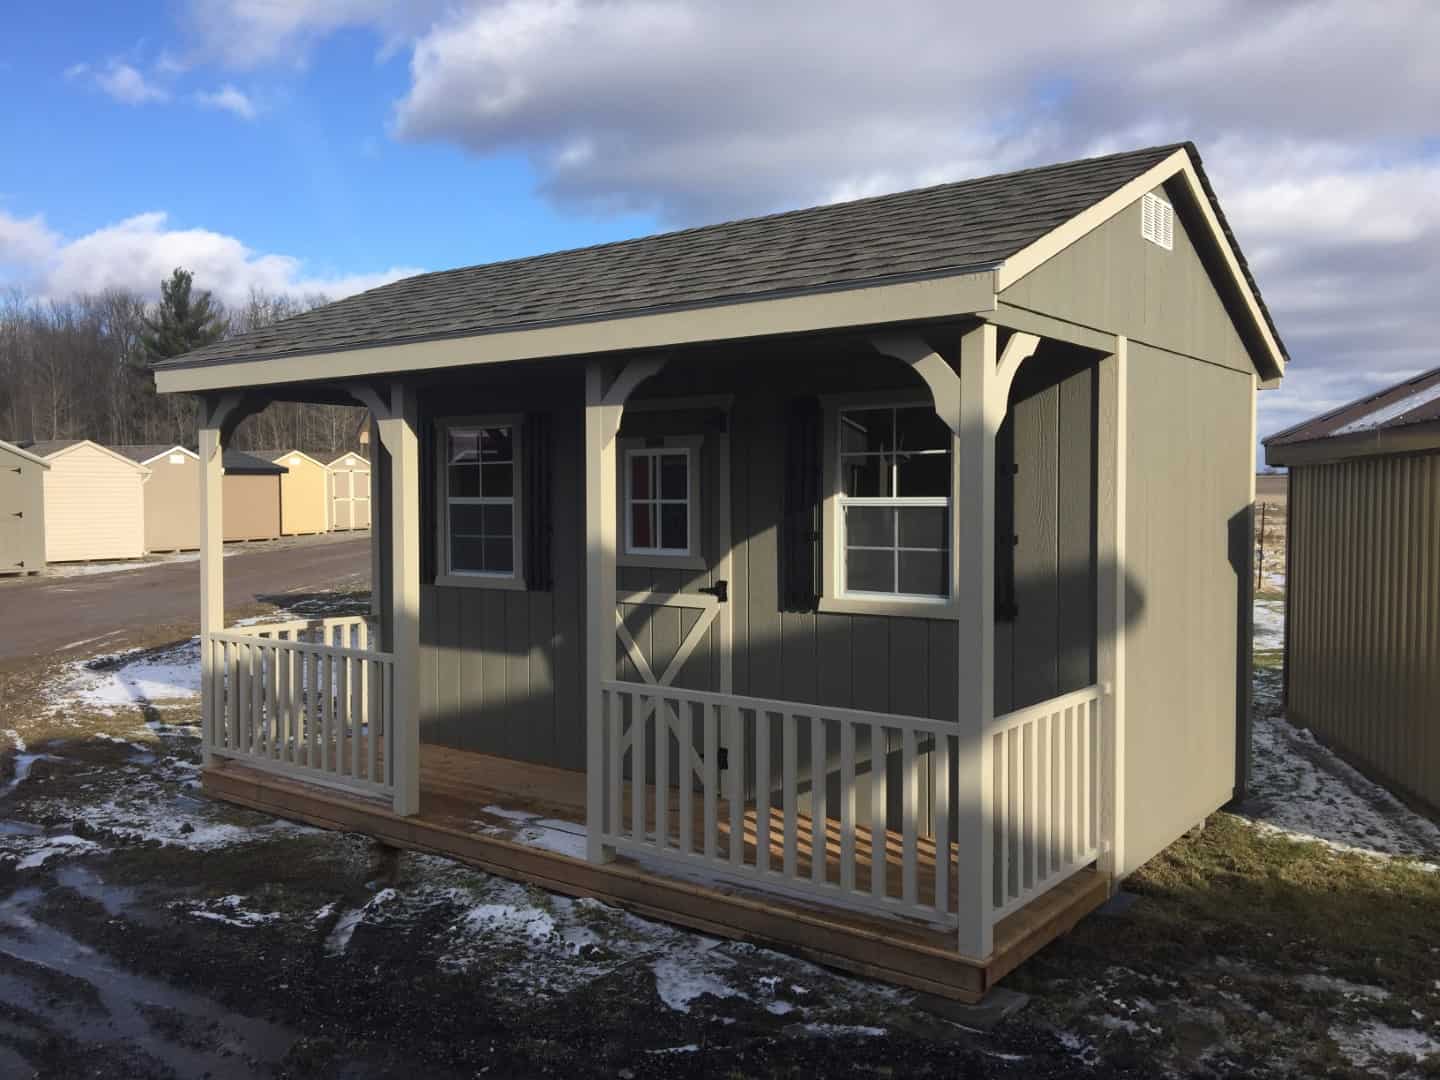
(1006, 469)
(535, 505)
(800, 557)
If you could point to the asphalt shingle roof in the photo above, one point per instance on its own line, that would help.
(912, 234)
(239, 463)
(142, 452)
(46, 447)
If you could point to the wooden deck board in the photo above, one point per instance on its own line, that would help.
(461, 794)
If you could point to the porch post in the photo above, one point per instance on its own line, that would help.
(602, 422)
(972, 534)
(397, 429)
(1110, 607)
(212, 576)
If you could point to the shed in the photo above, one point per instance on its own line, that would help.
(22, 510)
(94, 502)
(304, 492)
(172, 495)
(1362, 652)
(252, 497)
(349, 492)
(915, 528)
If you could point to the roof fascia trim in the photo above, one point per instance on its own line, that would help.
(34, 459)
(170, 450)
(944, 296)
(1177, 164)
(137, 466)
(1326, 449)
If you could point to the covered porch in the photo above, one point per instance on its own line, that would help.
(758, 816)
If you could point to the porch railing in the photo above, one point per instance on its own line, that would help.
(1047, 775)
(309, 698)
(767, 820)
(842, 806)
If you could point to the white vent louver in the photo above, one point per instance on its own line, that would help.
(1157, 221)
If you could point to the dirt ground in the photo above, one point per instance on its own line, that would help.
(146, 931)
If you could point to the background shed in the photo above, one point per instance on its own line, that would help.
(349, 492)
(94, 502)
(1362, 614)
(172, 495)
(252, 497)
(22, 510)
(304, 492)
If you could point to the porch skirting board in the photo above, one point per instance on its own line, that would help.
(900, 952)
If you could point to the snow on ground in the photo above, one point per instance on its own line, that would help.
(129, 680)
(1371, 1044)
(89, 569)
(1302, 789)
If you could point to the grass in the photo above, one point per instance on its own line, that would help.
(1226, 923)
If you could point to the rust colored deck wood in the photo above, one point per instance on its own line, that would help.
(457, 788)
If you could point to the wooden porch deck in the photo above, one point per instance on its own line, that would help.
(458, 787)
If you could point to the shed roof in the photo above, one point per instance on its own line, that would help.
(28, 455)
(277, 455)
(143, 452)
(51, 448)
(46, 447)
(239, 463)
(1414, 401)
(950, 228)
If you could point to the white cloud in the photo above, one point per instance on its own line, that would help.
(123, 83)
(229, 99)
(140, 251)
(1318, 120)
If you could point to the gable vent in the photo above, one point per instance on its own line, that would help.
(1157, 221)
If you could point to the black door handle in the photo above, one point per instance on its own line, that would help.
(720, 590)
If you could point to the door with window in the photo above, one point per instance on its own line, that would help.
(673, 613)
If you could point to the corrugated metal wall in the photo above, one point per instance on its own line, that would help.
(1363, 625)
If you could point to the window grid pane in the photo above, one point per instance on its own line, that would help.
(658, 518)
(480, 498)
(895, 501)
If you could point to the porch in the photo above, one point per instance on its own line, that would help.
(527, 822)
(935, 845)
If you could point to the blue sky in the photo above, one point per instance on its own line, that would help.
(330, 145)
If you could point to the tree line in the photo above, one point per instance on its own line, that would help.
(79, 368)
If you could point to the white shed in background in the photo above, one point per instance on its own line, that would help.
(349, 492)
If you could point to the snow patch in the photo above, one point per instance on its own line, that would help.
(680, 980)
(56, 846)
(1370, 1045)
(133, 680)
(833, 1031)
(339, 939)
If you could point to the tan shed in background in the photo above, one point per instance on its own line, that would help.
(349, 492)
(252, 497)
(94, 502)
(172, 495)
(304, 492)
(22, 510)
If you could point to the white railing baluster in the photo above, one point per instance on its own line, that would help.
(638, 769)
(662, 773)
(762, 790)
(614, 707)
(737, 795)
(878, 824)
(909, 809)
(819, 828)
(685, 780)
(788, 792)
(712, 778)
(847, 807)
(940, 785)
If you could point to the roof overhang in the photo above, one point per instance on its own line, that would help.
(935, 297)
(285, 455)
(176, 449)
(1407, 439)
(25, 455)
(137, 466)
(1178, 167)
(346, 459)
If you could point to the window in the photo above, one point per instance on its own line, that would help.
(480, 536)
(894, 502)
(658, 498)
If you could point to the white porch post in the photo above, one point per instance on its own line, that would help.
(397, 428)
(972, 532)
(212, 578)
(1110, 607)
(602, 422)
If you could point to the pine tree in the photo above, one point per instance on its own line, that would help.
(185, 319)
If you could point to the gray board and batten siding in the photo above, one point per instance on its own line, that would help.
(503, 670)
(22, 511)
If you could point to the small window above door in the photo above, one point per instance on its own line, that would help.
(659, 493)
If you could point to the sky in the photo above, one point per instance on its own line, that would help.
(326, 146)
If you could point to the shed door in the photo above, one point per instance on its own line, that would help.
(12, 523)
(673, 615)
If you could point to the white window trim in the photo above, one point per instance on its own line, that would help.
(691, 559)
(835, 599)
(477, 579)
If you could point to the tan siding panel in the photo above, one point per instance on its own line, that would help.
(22, 514)
(172, 504)
(94, 507)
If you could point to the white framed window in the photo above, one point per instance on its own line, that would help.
(659, 498)
(480, 507)
(892, 495)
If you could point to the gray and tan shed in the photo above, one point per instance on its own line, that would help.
(252, 497)
(22, 510)
(349, 492)
(1362, 613)
(172, 495)
(920, 521)
(304, 492)
(94, 502)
